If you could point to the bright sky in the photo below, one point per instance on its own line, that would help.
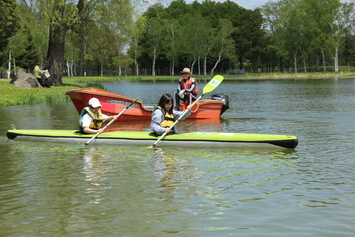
(247, 4)
(250, 4)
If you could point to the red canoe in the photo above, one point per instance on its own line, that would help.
(113, 104)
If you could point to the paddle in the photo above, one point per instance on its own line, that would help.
(211, 85)
(118, 115)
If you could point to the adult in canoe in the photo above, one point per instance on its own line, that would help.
(164, 116)
(187, 89)
(91, 117)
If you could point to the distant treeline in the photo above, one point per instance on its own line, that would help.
(115, 37)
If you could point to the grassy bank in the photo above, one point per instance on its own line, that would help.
(12, 95)
(289, 75)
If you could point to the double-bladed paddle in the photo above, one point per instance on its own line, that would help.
(118, 115)
(211, 85)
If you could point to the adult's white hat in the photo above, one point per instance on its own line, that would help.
(94, 102)
(186, 70)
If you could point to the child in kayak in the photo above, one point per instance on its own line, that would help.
(164, 116)
(91, 118)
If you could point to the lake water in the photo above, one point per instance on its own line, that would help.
(49, 189)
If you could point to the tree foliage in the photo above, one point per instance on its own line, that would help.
(9, 24)
(86, 37)
(303, 31)
(204, 36)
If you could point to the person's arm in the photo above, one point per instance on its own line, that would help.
(157, 118)
(108, 118)
(177, 114)
(105, 118)
(86, 120)
(90, 130)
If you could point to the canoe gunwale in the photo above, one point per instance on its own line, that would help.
(109, 95)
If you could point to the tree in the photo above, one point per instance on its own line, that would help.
(171, 27)
(62, 16)
(224, 43)
(192, 36)
(319, 17)
(151, 38)
(9, 24)
(341, 24)
(249, 37)
(135, 50)
(30, 56)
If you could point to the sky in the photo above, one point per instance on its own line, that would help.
(250, 4)
(247, 4)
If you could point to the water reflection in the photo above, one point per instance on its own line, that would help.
(163, 168)
(56, 190)
(94, 171)
(176, 177)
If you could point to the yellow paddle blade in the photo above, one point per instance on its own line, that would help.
(212, 84)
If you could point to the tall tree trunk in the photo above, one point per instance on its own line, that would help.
(57, 31)
(281, 65)
(218, 60)
(55, 55)
(136, 66)
(82, 60)
(317, 61)
(192, 66)
(336, 59)
(9, 67)
(295, 62)
(68, 69)
(154, 58)
(324, 64)
(199, 65)
(173, 66)
(304, 64)
(102, 68)
(205, 65)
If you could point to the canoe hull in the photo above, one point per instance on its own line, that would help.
(193, 139)
(113, 104)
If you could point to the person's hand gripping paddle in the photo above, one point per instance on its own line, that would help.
(118, 115)
(211, 85)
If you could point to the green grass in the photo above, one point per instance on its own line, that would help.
(12, 95)
(290, 75)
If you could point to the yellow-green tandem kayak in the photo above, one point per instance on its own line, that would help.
(191, 139)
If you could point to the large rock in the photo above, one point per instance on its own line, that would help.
(25, 80)
(22, 84)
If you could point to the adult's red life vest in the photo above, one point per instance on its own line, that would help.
(188, 84)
